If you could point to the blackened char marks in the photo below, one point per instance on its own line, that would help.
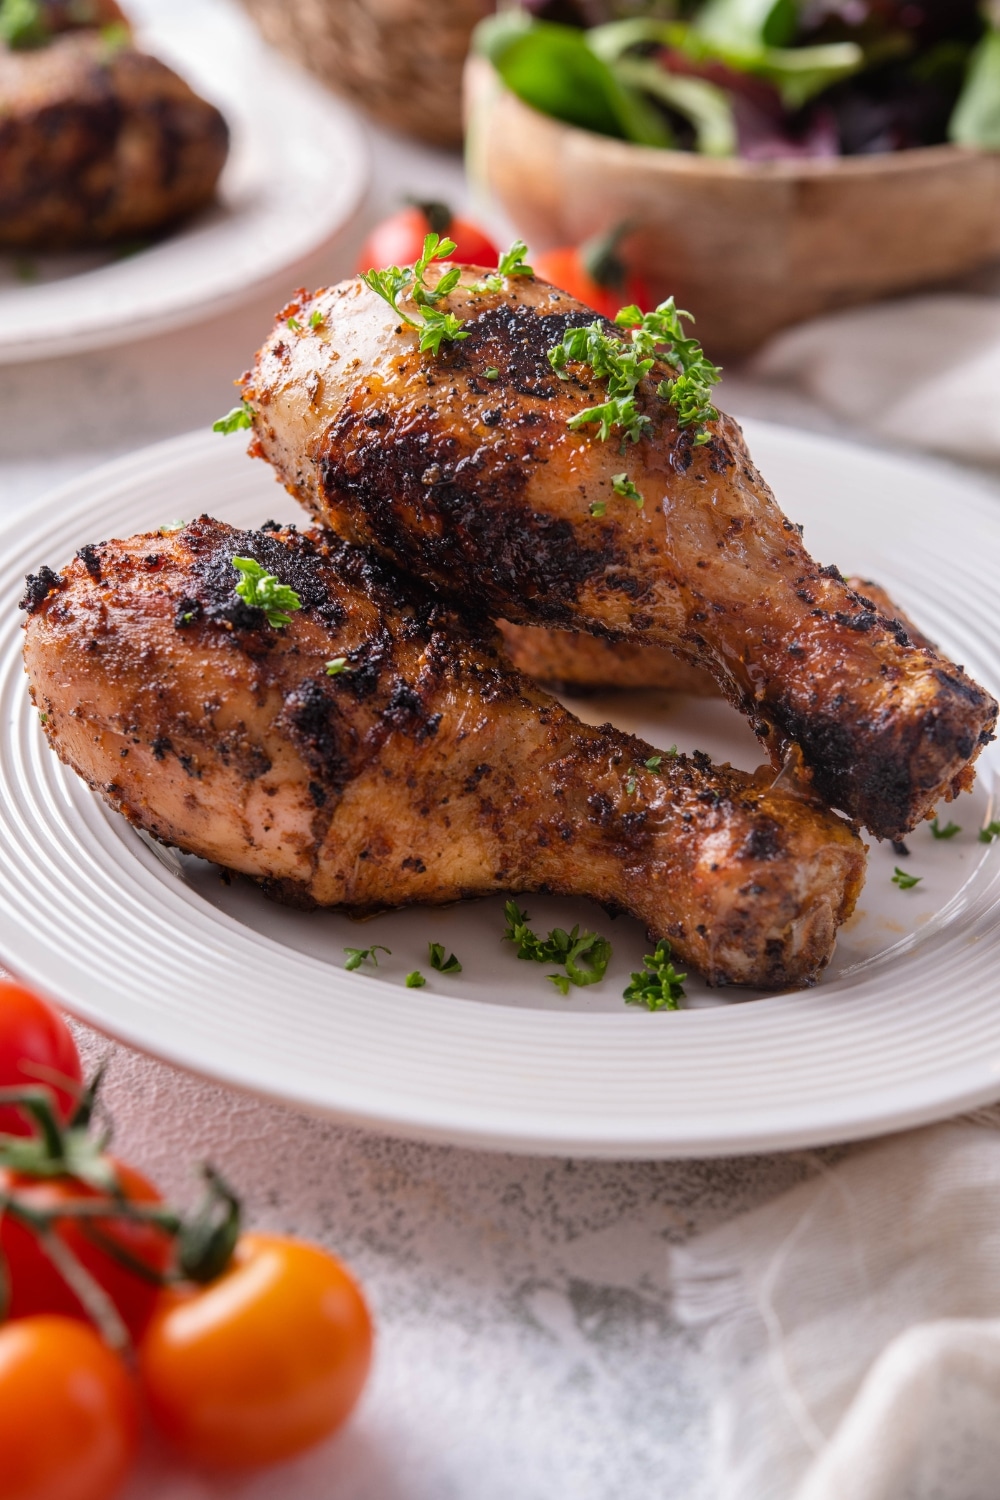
(458, 518)
(91, 559)
(515, 341)
(323, 736)
(37, 588)
(294, 558)
(882, 771)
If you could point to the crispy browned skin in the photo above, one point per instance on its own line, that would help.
(571, 661)
(100, 142)
(479, 487)
(427, 771)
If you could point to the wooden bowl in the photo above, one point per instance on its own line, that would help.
(400, 59)
(747, 247)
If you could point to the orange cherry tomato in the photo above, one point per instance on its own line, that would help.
(68, 1413)
(36, 1286)
(35, 1047)
(398, 240)
(603, 285)
(261, 1363)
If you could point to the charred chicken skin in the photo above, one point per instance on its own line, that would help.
(98, 140)
(462, 470)
(423, 769)
(569, 661)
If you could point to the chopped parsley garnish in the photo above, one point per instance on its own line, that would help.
(234, 421)
(335, 667)
(584, 955)
(171, 527)
(904, 881)
(622, 485)
(357, 956)
(611, 360)
(660, 333)
(948, 832)
(22, 24)
(656, 761)
(433, 325)
(115, 37)
(492, 373)
(654, 764)
(316, 320)
(449, 965)
(262, 590)
(598, 508)
(658, 986)
(415, 980)
(511, 263)
(294, 325)
(653, 336)
(990, 832)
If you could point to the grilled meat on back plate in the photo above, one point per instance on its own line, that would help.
(99, 142)
(419, 767)
(461, 468)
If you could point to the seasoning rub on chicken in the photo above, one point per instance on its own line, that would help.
(368, 749)
(572, 662)
(461, 467)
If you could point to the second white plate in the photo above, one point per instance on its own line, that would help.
(296, 172)
(155, 948)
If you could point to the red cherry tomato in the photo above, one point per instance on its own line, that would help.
(398, 240)
(566, 268)
(36, 1286)
(68, 1413)
(35, 1047)
(261, 1363)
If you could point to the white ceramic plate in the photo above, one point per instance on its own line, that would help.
(155, 949)
(296, 172)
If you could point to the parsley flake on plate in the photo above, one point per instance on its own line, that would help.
(316, 320)
(415, 980)
(657, 986)
(260, 589)
(584, 955)
(442, 965)
(357, 956)
(904, 881)
(948, 832)
(990, 832)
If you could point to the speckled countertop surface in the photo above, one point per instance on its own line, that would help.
(526, 1350)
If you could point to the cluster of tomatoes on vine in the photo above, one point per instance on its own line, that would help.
(116, 1311)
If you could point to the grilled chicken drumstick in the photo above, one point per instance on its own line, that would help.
(461, 468)
(423, 769)
(570, 661)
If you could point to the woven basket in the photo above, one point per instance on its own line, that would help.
(400, 59)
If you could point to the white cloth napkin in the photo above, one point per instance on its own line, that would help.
(922, 372)
(853, 1326)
